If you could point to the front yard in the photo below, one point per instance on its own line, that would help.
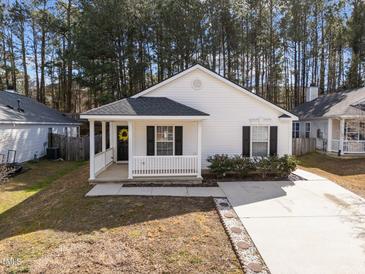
(56, 229)
(349, 173)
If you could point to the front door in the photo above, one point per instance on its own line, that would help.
(122, 143)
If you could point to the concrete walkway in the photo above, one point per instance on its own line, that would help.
(312, 226)
(108, 189)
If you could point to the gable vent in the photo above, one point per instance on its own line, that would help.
(197, 84)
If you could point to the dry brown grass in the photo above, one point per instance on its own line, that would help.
(38, 176)
(349, 173)
(58, 230)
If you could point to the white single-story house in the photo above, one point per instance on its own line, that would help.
(170, 129)
(336, 120)
(25, 124)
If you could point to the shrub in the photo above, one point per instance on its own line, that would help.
(286, 165)
(220, 164)
(265, 165)
(242, 165)
(281, 166)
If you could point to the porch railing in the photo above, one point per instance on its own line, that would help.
(335, 145)
(165, 165)
(103, 159)
(349, 146)
(354, 146)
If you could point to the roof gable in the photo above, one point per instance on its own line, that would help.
(220, 78)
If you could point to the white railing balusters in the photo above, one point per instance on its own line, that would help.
(165, 165)
(349, 146)
(103, 159)
(354, 146)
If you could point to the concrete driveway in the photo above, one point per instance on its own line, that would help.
(312, 226)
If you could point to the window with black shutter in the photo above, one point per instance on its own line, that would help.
(150, 140)
(273, 140)
(246, 141)
(178, 140)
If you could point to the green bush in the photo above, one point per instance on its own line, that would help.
(286, 165)
(242, 166)
(265, 165)
(220, 164)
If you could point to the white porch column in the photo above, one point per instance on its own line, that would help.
(111, 135)
(130, 149)
(92, 149)
(103, 136)
(329, 135)
(199, 149)
(342, 134)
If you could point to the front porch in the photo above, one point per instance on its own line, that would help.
(346, 136)
(128, 155)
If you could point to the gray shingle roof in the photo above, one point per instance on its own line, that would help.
(33, 111)
(146, 106)
(333, 105)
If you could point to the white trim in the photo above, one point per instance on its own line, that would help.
(103, 136)
(329, 134)
(136, 117)
(173, 139)
(199, 125)
(342, 135)
(130, 149)
(92, 150)
(268, 138)
(217, 76)
(111, 135)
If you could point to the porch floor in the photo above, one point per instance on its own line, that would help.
(118, 173)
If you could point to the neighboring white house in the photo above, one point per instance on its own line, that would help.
(25, 124)
(336, 120)
(172, 128)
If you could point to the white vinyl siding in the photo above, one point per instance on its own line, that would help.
(29, 141)
(190, 136)
(229, 110)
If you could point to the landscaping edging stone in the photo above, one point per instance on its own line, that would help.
(245, 249)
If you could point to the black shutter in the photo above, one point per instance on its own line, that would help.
(150, 140)
(178, 140)
(273, 140)
(246, 141)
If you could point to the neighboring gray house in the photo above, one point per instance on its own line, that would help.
(24, 126)
(336, 120)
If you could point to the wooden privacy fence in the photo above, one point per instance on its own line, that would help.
(303, 145)
(73, 148)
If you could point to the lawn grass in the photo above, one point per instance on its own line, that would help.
(58, 230)
(349, 173)
(38, 176)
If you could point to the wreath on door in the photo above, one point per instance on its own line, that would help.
(123, 135)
